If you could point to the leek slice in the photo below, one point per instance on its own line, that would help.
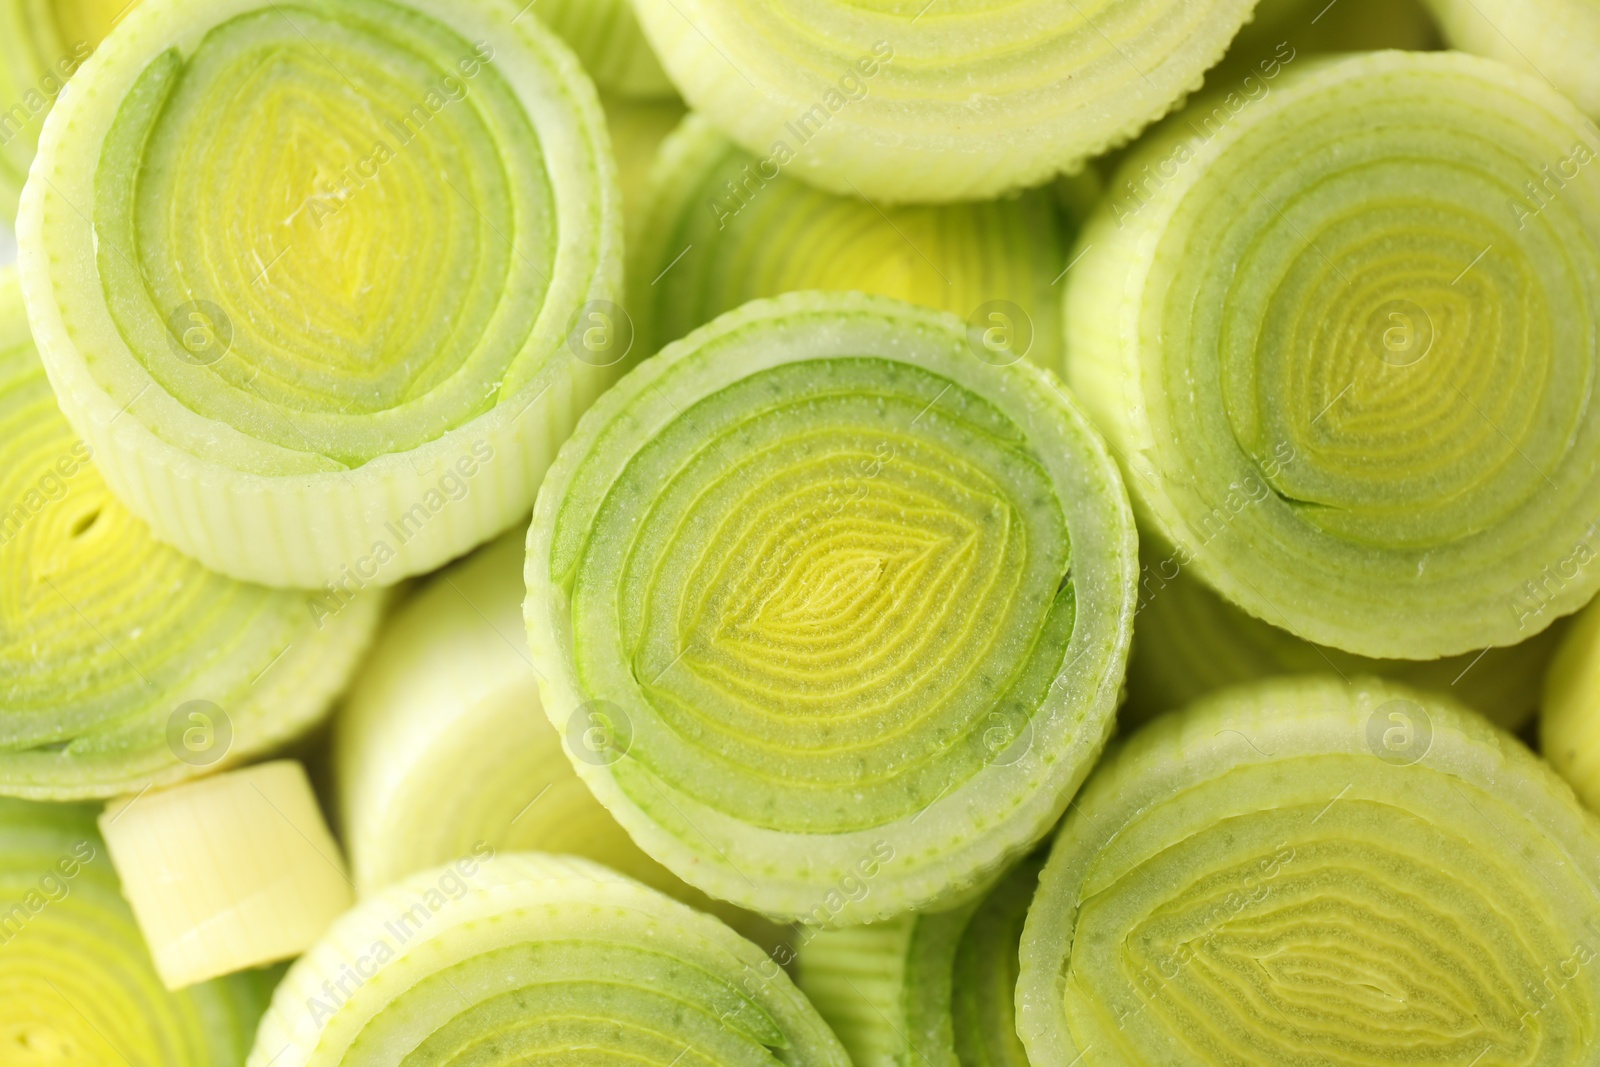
(76, 983)
(928, 101)
(520, 957)
(721, 229)
(1313, 411)
(933, 988)
(1569, 719)
(42, 42)
(1188, 641)
(1303, 872)
(1556, 39)
(123, 663)
(637, 129)
(228, 872)
(835, 602)
(220, 244)
(606, 37)
(442, 746)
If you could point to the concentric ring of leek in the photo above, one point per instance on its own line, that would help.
(606, 37)
(122, 662)
(933, 102)
(442, 745)
(1305, 872)
(42, 42)
(722, 227)
(930, 988)
(837, 601)
(76, 983)
(1556, 39)
(529, 958)
(1348, 368)
(1188, 642)
(304, 275)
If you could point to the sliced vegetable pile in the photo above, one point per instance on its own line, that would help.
(800, 533)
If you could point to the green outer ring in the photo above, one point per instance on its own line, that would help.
(940, 856)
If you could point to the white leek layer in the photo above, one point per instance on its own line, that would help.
(1555, 39)
(523, 957)
(1308, 872)
(722, 227)
(310, 348)
(1297, 318)
(837, 600)
(122, 662)
(932, 102)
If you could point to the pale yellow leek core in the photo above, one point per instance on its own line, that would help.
(245, 193)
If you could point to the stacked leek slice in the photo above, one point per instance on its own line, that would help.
(222, 239)
(607, 38)
(722, 227)
(1554, 39)
(932, 101)
(76, 983)
(519, 957)
(122, 662)
(839, 601)
(1299, 323)
(1306, 872)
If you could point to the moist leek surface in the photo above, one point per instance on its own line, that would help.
(1347, 353)
(837, 594)
(1309, 872)
(122, 662)
(221, 248)
(76, 983)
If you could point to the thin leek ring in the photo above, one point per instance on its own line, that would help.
(1307, 872)
(955, 749)
(75, 977)
(1328, 453)
(123, 663)
(722, 227)
(919, 102)
(500, 959)
(286, 397)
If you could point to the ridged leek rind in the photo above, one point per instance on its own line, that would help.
(442, 745)
(935, 989)
(122, 662)
(722, 228)
(1555, 39)
(1188, 641)
(220, 245)
(606, 37)
(912, 101)
(1299, 319)
(229, 872)
(523, 958)
(42, 42)
(76, 984)
(1569, 713)
(1309, 872)
(836, 602)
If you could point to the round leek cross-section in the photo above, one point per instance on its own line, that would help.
(1188, 641)
(821, 596)
(1309, 872)
(930, 988)
(306, 277)
(122, 662)
(1555, 39)
(935, 101)
(528, 958)
(42, 42)
(1344, 341)
(76, 983)
(722, 228)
